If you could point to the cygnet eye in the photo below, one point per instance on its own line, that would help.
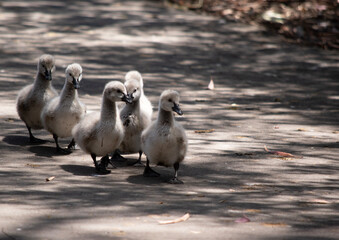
(70, 74)
(170, 100)
(119, 91)
(135, 90)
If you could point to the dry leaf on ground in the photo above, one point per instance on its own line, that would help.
(177, 220)
(243, 219)
(282, 154)
(211, 85)
(50, 178)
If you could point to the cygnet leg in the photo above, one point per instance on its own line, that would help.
(175, 180)
(33, 139)
(71, 145)
(138, 163)
(149, 172)
(100, 168)
(58, 148)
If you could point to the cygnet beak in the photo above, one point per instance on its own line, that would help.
(177, 109)
(130, 96)
(48, 74)
(127, 98)
(76, 83)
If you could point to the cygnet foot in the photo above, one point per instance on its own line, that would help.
(149, 172)
(102, 170)
(33, 139)
(102, 167)
(175, 180)
(71, 145)
(63, 151)
(112, 163)
(116, 157)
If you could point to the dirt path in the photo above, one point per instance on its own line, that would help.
(266, 93)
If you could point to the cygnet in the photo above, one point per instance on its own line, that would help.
(33, 98)
(164, 142)
(99, 134)
(62, 113)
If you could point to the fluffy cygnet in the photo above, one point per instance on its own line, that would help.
(164, 142)
(146, 111)
(101, 133)
(32, 98)
(62, 113)
(144, 102)
(135, 119)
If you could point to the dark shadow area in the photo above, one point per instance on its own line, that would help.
(266, 93)
(79, 170)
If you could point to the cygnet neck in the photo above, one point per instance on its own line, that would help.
(41, 82)
(108, 110)
(68, 91)
(134, 106)
(165, 117)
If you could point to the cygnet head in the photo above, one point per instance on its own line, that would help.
(116, 91)
(74, 74)
(134, 75)
(133, 90)
(169, 101)
(46, 66)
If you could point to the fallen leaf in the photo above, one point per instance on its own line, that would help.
(211, 85)
(243, 219)
(234, 106)
(301, 129)
(50, 178)
(282, 154)
(204, 131)
(181, 219)
(253, 210)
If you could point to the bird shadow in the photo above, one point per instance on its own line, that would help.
(47, 151)
(23, 141)
(78, 170)
(141, 180)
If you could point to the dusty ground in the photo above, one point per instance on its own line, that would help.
(266, 92)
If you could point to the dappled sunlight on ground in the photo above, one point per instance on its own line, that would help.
(266, 93)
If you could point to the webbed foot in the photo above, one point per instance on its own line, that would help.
(116, 157)
(101, 169)
(71, 145)
(175, 181)
(63, 151)
(149, 172)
